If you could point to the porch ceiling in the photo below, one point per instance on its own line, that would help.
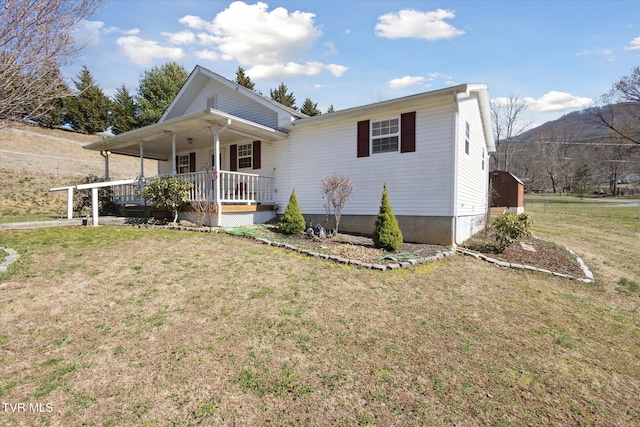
(200, 127)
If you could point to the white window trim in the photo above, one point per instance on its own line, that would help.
(182, 164)
(373, 138)
(245, 156)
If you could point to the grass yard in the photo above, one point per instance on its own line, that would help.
(128, 326)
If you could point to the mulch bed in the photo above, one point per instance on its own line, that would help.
(349, 246)
(547, 255)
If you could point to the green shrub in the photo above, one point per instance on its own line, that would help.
(387, 234)
(292, 221)
(511, 227)
(167, 192)
(82, 198)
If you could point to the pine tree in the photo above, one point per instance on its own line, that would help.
(292, 221)
(281, 95)
(124, 111)
(310, 108)
(88, 111)
(387, 234)
(158, 87)
(331, 109)
(243, 80)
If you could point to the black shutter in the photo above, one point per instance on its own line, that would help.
(233, 158)
(363, 138)
(192, 162)
(408, 132)
(177, 165)
(257, 154)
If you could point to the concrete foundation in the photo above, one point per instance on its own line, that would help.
(415, 229)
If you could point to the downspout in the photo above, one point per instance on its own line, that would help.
(454, 191)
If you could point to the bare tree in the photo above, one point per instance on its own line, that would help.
(36, 39)
(337, 189)
(509, 122)
(621, 112)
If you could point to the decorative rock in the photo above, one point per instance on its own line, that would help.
(11, 257)
(527, 247)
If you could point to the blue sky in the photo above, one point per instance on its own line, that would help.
(559, 55)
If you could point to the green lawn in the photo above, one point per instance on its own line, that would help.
(128, 326)
(554, 203)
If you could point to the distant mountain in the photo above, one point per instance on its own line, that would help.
(579, 126)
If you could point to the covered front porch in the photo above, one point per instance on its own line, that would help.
(220, 154)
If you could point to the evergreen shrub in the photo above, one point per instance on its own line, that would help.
(387, 234)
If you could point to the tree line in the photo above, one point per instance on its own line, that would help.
(90, 111)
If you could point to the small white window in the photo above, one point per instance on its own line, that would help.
(245, 153)
(183, 164)
(385, 136)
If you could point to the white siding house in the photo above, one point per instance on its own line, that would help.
(431, 149)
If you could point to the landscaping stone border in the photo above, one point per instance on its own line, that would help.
(357, 263)
(585, 269)
(12, 256)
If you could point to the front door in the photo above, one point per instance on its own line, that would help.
(221, 161)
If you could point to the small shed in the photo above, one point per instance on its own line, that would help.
(507, 191)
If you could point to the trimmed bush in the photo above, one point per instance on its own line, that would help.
(511, 227)
(167, 192)
(387, 234)
(292, 221)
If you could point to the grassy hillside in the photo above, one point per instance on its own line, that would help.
(34, 159)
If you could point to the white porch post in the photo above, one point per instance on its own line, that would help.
(216, 191)
(70, 202)
(94, 205)
(141, 160)
(173, 154)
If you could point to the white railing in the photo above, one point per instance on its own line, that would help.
(234, 187)
(128, 193)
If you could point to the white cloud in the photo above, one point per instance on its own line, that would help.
(181, 37)
(606, 53)
(207, 54)
(90, 32)
(331, 49)
(405, 82)
(131, 32)
(410, 23)
(269, 43)
(194, 22)
(552, 101)
(142, 52)
(283, 71)
(633, 44)
(335, 69)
